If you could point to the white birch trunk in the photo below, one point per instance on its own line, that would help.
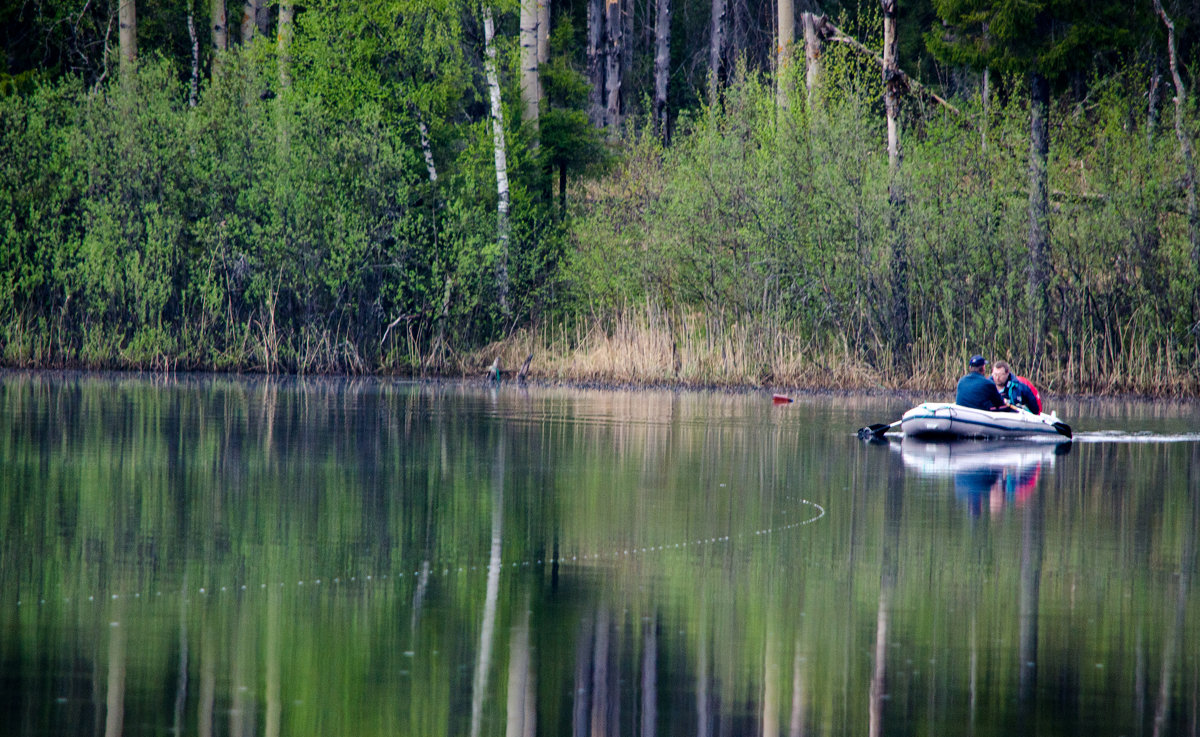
(127, 19)
(893, 80)
(502, 224)
(662, 64)
(220, 32)
(530, 92)
(194, 87)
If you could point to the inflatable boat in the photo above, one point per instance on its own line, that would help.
(1014, 457)
(940, 419)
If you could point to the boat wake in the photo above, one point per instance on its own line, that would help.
(1122, 436)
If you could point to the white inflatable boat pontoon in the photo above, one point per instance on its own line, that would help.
(945, 420)
(940, 419)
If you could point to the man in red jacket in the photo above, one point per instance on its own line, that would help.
(1016, 390)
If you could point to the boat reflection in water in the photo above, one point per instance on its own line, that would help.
(992, 472)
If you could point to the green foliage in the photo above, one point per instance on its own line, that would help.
(269, 227)
(778, 220)
(1050, 37)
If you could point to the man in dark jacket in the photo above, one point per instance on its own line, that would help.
(978, 391)
(1013, 389)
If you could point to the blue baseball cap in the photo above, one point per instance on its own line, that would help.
(977, 361)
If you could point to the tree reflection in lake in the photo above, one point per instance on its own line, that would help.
(372, 557)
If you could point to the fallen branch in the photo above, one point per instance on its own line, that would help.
(830, 32)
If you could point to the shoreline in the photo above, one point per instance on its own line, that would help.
(535, 381)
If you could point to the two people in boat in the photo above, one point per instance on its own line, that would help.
(1003, 391)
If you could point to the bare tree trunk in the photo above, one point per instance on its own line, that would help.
(426, 147)
(716, 47)
(615, 50)
(284, 41)
(893, 81)
(220, 31)
(786, 36)
(530, 92)
(595, 62)
(1039, 215)
(543, 44)
(194, 87)
(127, 19)
(502, 224)
(1185, 145)
(250, 13)
(628, 48)
(812, 54)
(662, 64)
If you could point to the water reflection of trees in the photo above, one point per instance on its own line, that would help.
(238, 485)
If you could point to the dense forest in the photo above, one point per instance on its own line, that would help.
(732, 192)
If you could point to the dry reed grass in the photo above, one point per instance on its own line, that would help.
(648, 346)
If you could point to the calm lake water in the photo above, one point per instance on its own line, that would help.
(228, 556)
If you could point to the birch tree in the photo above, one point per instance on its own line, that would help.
(220, 31)
(127, 19)
(893, 87)
(194, 81)
(502, 224)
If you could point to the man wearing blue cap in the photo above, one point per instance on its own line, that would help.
(976, 390)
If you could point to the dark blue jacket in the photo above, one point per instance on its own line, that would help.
(1017, 393)
(978, 391)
